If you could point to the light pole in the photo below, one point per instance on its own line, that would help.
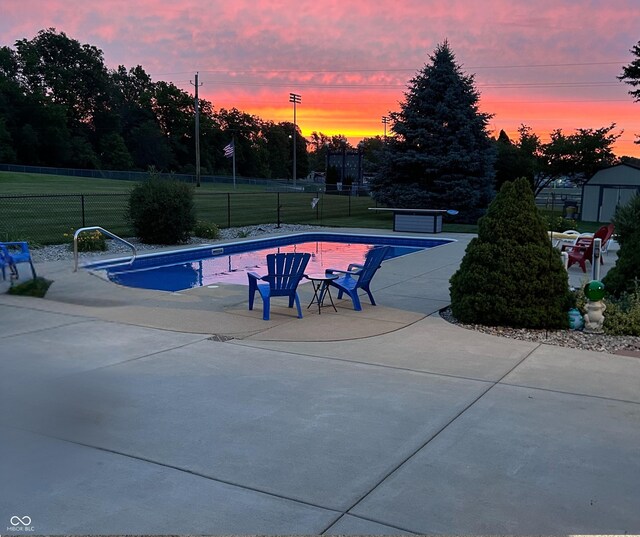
(295, 99)
(385, 121)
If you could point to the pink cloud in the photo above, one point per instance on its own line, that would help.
(249, 52)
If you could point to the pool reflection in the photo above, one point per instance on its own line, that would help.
(232, 269)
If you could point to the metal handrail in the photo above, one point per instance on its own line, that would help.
(105, 232)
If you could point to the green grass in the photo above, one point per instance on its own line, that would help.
(48, 218)
(13, 183)
(582, 226)
(37, 287)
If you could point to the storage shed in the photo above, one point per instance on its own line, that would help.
(607, 189)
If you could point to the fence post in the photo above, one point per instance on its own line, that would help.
(349, 203)
(278, 209)
(82, 204)
(228, 209)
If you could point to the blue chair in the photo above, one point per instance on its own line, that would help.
(5, 262)
(285, 273)
(359, 276)
(12, 253)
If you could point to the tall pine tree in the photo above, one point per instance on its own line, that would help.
(441, 156)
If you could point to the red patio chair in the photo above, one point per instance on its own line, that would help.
(582, 250)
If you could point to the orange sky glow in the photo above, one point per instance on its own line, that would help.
(547, 64)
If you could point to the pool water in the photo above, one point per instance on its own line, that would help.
(233, 268)
(229, 263)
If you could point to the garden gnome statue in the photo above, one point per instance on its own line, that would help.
(594, 317)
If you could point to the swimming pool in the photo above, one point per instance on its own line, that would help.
(229, 263)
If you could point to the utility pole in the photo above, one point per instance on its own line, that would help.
(197, 109)
(295, 99)
(385, 121)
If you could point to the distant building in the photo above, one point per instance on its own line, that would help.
(348, 163)
(607, 189)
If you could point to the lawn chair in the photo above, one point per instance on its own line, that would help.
(582, 250)
(284, 274)
(359, 276)
(5, 262)
(606, 234)
(12, 253)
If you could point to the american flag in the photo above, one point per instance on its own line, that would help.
(228, 149)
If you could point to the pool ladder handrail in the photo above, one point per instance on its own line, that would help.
(105, 232)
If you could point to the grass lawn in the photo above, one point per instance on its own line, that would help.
(13, 183)
(65, 203)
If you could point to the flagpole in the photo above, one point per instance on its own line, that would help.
(233, 141)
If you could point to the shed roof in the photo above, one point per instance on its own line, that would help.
(625, 173)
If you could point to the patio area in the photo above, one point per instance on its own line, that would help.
(142, 412)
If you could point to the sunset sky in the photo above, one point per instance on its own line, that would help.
(546, 63)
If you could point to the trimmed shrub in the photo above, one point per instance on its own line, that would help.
(622, 277)
(162, 211)
(510, 274)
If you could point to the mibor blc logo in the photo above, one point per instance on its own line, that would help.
(20, 523)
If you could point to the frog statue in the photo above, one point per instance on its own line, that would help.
(594, 316)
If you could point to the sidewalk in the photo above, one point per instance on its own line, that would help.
(114, 424)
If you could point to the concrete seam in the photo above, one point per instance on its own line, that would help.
(405, 530)
(176, 468)
(39, 330)
(204, 338)
(551, 390)
(359, 362)
(438, 432)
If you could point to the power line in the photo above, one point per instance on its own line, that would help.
(394, 102)
(392, 70)
(404, 86)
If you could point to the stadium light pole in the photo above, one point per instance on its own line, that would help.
(295, 99)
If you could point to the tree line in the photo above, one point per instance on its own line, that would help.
(61, 106)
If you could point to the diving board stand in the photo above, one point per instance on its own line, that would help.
(415, 220)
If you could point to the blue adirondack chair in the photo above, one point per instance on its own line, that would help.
(12, 253)
(285, 273)
(359, 276)
(5, 262)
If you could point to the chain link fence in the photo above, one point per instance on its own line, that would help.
(141, 176)
(50, 219)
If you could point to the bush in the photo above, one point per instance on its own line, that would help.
(206, 230)
(162, 211)
(559, 224)
(622, 316)
(510, 275)
(621, 278)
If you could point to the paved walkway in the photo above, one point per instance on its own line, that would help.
(115, 428)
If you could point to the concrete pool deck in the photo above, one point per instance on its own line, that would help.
(120, 415)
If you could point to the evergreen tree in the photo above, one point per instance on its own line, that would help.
(631, 73)
(625, 275)
(510, 275)
(441, 156)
